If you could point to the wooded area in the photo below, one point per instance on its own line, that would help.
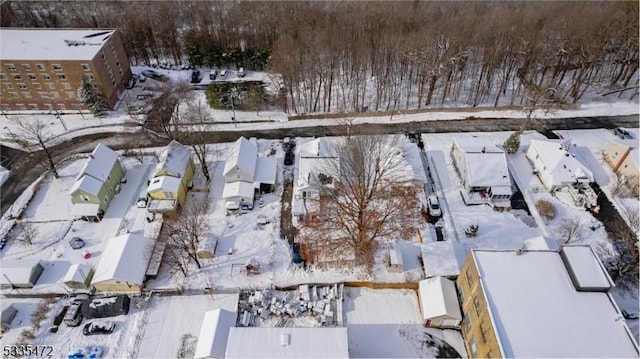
(351, 56)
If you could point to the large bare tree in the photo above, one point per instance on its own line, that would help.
(184, 232)
(366, 193)
(198, 115)
(35, 132)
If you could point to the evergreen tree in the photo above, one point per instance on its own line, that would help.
(512, 144)
(92, 97)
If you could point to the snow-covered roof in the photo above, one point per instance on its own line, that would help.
(99, 163)
(165, 184)
(395, 255)
(173, 160)
(318, 147)
(315, 156)
(486, 164)
(87, 184)
(238, 189)
(586, 270)
(559, 162)
(212, 341)
(17, 271)
(125, 259)
(52, 44)
(438, 298)
(287, 343)
(85, 209)
(77, 273)
(241, 156)
(530, 296)
(266, 170)
(443, 258)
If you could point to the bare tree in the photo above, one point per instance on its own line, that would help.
(365, 195)
(198, 115)
(621, 262)
(570, 230)
(34, 132)
(184, 232)
(28, 232)
(546, 209)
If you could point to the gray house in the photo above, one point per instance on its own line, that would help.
(20, 273)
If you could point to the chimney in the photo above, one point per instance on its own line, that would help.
(519, 251)
(484, 149)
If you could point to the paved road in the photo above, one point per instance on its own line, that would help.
(26, 168)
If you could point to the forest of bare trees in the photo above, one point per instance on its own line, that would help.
(381, 56)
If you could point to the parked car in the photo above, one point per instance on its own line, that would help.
(622, 133)
(86, 353)
(142, 78)
(142, 202)
(241, 72)
(223, 74)
(155, 75)
(99, 327)
(196, 76)
(213, 74)
(73, 317)
(434, 206)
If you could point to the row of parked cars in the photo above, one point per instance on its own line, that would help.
(196, 75)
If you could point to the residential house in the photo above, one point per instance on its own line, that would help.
(624, 161)
(272, 342)
(555, 166)
(246, 173)
(43, 69)
(20, 274)
(171, 178)
(439, 303)
(123, 264)
(214, 333)
(314, 162)
(541, 304)
(96, 184)
(483, 171)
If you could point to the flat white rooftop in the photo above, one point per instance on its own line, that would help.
(537, 312)
(52, 44)
(287, 343)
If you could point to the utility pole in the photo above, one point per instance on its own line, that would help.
(233, 107)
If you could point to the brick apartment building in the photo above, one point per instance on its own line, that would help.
(42, 69)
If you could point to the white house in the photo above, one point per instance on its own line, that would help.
(314, 161)
(214, 333)
(78, 276)
(555, 166)
(270, 342)
(246, 173)
(123, 264)
(483, 170)
(439, 303)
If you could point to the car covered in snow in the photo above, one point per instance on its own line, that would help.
(98, 327)
(86, 353)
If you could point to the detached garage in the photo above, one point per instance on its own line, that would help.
(20, 273)
(124, 264)
(439, 303)
(78, 276)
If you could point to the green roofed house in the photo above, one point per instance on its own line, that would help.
(97, 183)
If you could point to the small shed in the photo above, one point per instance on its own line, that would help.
(396, 263)
(214, 333)
(20, 273)
(207, 247)
(78, 276)
(439, 303)
(8, 313)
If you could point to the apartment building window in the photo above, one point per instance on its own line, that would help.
(113, 82)
(8, 86)
(469, 277)
(22, 86)
(56, 67)
(460, 296)
(13, 94)
(37, 86)
(46, 77)
(473, 347)
(476, 306)
(16, 76)
(43, 95)
(26, 67)
(112, 47)
(103, 55)
(55, 95)
(26, 94)
(3, 77)
(62, 77)
(466, 322)
(21, 106)
(66, 86)
(71, 94)
(490, 354)
(11, 67)
(41, 67)
(51, 86)
(61, 107)
(33, 106)
(86, 67)
(484, 330)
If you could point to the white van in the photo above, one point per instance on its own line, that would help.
(223, 74)
(434, 206)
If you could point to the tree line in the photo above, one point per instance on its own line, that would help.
(352, 56)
